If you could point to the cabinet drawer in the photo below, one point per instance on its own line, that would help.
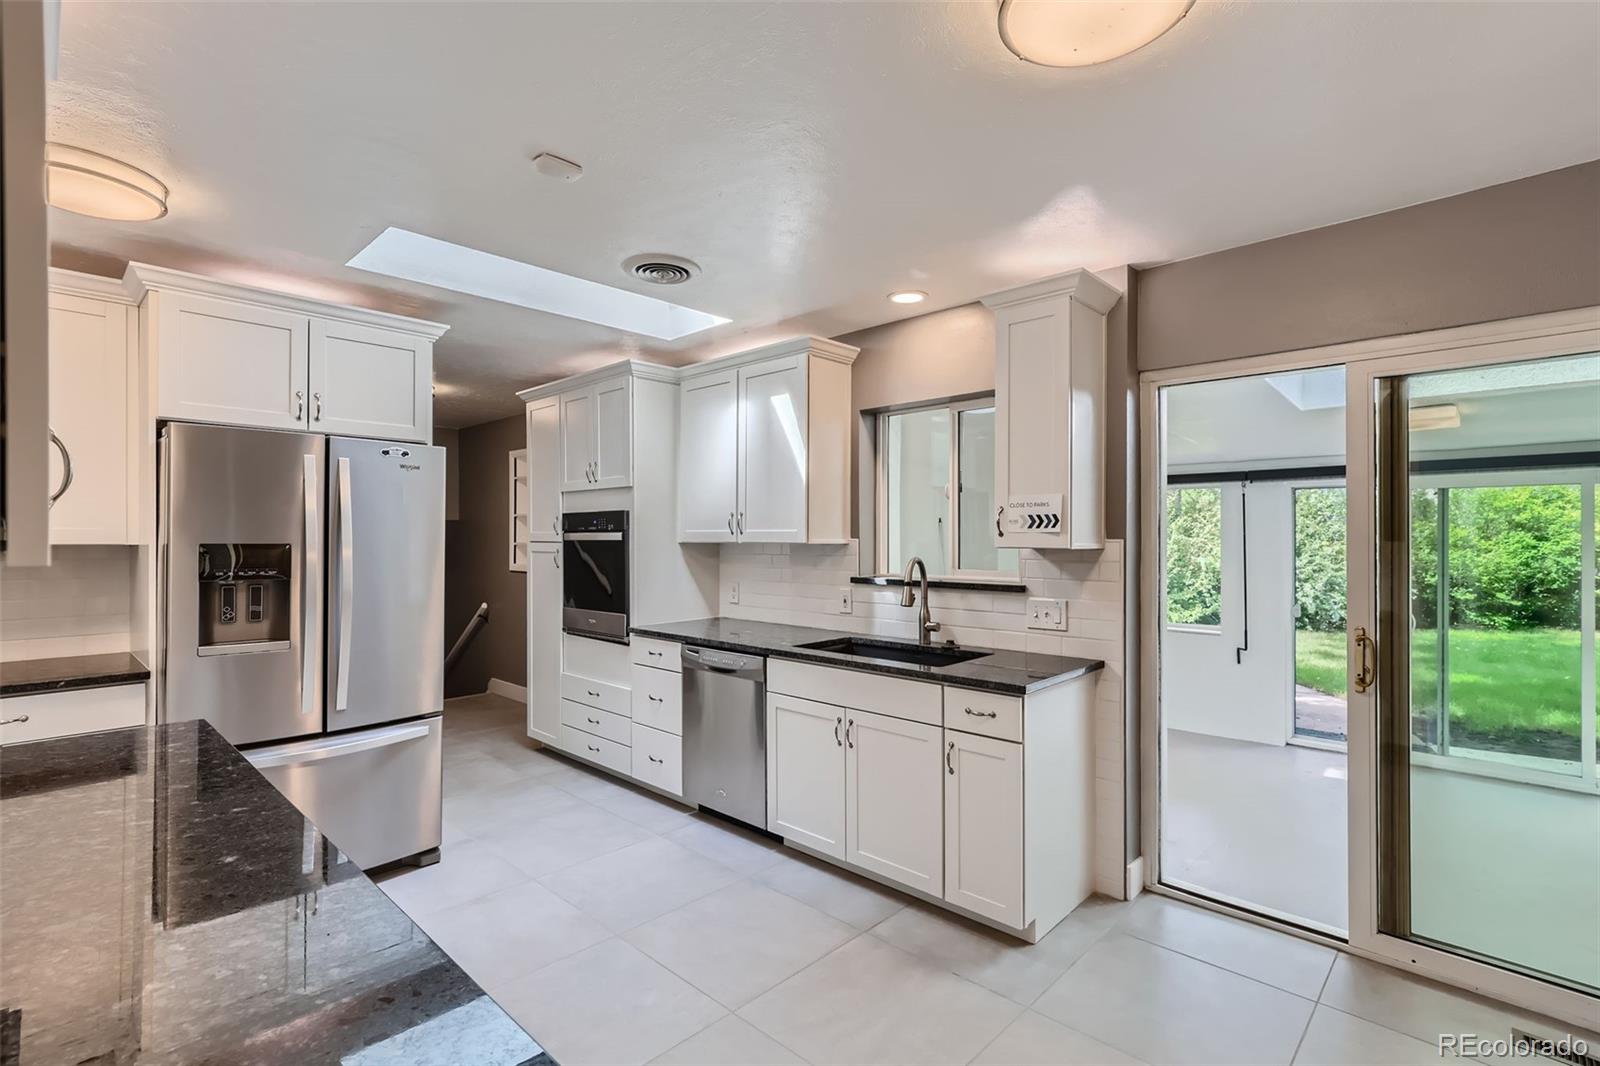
(661, 654)
(658, 759)
(658, 699)
(897, 697)
(988, 714)
(600, 694)
(613, 727)
(607, 753)
(66, 714)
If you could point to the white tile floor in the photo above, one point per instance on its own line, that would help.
(620, 928)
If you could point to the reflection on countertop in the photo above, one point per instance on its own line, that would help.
(160, 901)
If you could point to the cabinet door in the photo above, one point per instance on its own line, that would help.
(708, 466)
(577, 440)
(893, 799)
(544, 472)
(89, 414)
(370, 382)
(983, 826)
(613, 434)
(231, 363)
(772, 451)
(544, 643)
(805, 773)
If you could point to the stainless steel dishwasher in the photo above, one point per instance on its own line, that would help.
(725, 733)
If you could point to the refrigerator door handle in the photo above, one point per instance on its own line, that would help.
(311, 576)
(332, 747)
(347, 583)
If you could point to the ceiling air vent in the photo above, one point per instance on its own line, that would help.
(661, 269)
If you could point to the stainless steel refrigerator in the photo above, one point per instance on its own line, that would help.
(302, 614)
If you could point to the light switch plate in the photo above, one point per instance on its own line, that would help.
(846, 605)
(733, 592)
(1047, 614)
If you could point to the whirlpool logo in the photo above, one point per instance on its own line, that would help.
(410, 466)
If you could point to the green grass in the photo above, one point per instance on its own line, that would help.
(1499, 681)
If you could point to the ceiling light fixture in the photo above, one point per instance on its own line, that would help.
(88, 183)
(1434, 416)
(908, 296)
(416, 257)
(1081, 33)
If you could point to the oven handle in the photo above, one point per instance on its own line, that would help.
(592, 536)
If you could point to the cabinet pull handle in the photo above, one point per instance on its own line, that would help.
(741, 523)
(653, 759)
(555, 557)
(837, 722)
(592, 692)
(730, 524)
(66, 473)
(948, 752)
(591, 721)
(981, 714)
(299, 405)
(997, 516)
(317, 396)
(555, 525)
(592, 748)
(652, 699)
(14, 721)
(849, 726)
(656, 654)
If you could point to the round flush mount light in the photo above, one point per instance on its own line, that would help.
(88, 183)
(661, 269)
(1081, 33)
(907, 296)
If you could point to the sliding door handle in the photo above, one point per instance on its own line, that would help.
(1365, 654)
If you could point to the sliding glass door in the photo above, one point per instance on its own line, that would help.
(1475, 652)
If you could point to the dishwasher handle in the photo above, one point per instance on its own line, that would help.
(731, 663)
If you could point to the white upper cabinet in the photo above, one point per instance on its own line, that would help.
(597, 436)
(544, 471)
(369, 382)
(708, 484)
(91, 380)
(1050, 366)
(247, 357)
(766, 435)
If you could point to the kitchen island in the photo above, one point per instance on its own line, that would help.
(160, 901)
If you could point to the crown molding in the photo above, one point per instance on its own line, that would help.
(142, 278)
(821, 347)
(636, 368)
(1081, 285)
(90, 286)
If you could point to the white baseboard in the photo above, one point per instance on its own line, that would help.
(1135, 880)
(508, 690)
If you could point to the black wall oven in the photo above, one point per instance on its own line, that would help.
(594, 574)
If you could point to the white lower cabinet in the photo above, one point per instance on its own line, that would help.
(47, 715)
(983, 848)
(893, 799)
(544, 643)
(658, 759)
(806, 773)
(617, 758)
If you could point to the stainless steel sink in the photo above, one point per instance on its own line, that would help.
(896, 651)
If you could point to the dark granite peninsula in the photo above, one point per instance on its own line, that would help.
(161, 902)
(1013, 672)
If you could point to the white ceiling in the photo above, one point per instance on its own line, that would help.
(811, 157)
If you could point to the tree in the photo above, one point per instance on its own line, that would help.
(1194, 556)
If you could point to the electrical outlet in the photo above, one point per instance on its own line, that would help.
(1047, 614)
(733, 593)
(845, 605)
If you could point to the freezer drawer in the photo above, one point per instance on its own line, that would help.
(375, 793)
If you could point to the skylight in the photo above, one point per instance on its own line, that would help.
(1311, 390)
(401, 253)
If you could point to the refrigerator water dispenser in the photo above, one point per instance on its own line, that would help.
(245, 598)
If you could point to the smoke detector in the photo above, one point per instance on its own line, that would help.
(660, 269)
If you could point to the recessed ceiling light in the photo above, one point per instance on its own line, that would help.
(400, 253)
(1080, 33)
(88, 183)
(908, 296)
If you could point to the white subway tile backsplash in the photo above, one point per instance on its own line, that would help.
(78, 605)
(798, 584)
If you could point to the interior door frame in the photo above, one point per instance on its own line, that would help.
(1537, 336)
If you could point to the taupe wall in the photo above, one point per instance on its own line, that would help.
(1521, 248)
(476, 554)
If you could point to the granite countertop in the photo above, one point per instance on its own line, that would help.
(27, 677)
(164, 903)
(1012, 672)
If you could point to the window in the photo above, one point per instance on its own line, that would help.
(1194, 556)
(922, 453)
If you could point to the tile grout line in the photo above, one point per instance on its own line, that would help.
(1219, 966)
